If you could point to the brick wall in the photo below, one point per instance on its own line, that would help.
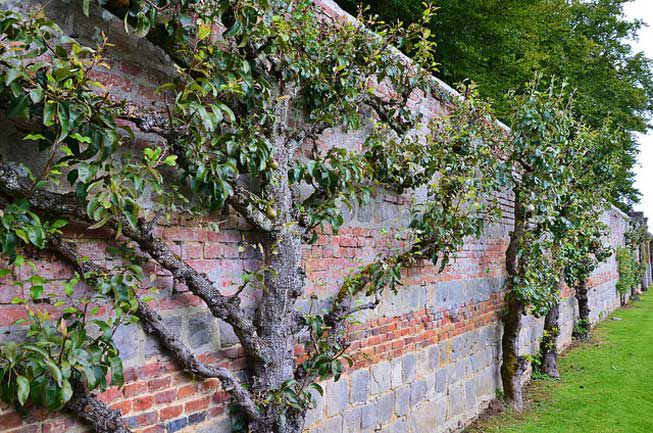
(427, 360)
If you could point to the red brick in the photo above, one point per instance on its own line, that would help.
(166, 396)
(213, 251)
(148, 418)
(10, 313)
(10, 420)
(159, 383)
(134, 389)
(142, 403)
(153, 429)
(197, 405)
(186, 391)
(170, 412)
(124, 406)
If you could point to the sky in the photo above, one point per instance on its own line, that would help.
(643, 9)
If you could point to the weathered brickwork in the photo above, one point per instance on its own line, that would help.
(426, 361)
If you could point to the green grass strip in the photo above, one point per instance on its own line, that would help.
(606, 386)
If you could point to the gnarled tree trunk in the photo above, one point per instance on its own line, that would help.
(548, 344)
(514, 365)
(95, 413)
(584, 325)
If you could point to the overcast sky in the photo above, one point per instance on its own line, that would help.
(643, 9)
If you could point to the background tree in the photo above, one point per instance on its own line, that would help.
(256, 83)
(502, 44)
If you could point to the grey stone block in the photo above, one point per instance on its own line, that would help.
(227, 335)
(360, 386)
(369, 417)
(199, 330)
(317, 413)
(402, 400)
(434, 357)
(441, 381)
(333, 425)
(128, 339)
(399, 426)
(408, 368)
(423, 418)
(351, 421)
(336, 397)
(456, 401)
(381, 378)
(396, 375)
(417, 392)
(385, 407)
(470, 394)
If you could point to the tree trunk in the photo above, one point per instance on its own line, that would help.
(584, 325)
(284, 283)
(514, 365)
(548, 344)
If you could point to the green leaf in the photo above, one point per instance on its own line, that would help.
(55, 372)
(36, 95)
(36, 292)
(63, 114)
(66, 392)
(49, 113)
(117, 377)
(203, 32)
(23, 389)
(34, 137)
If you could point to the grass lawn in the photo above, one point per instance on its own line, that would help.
(606, 386)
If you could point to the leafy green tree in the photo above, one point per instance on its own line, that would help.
(544, 140)
(257, 82)
(577, 232)
(502, 44)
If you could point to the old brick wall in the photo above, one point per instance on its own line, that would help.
(427, 360)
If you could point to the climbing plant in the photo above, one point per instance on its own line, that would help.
(255, 84)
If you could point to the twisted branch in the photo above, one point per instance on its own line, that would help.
(154, 325)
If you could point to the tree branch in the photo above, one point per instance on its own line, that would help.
(154, 325)
(94, 412)
(66, 205)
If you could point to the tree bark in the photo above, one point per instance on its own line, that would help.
(584, 324)
(514, 365)
(548, 345)
(95, 413)
(284, 282)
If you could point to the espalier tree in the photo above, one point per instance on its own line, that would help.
(584, 183)
(256, 83)
(547, 146)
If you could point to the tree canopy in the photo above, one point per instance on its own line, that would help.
(501, 45)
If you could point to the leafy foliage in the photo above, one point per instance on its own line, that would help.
(629, 271)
